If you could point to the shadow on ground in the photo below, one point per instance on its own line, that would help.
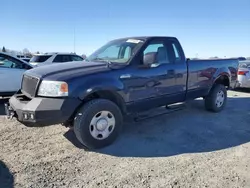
(70, 135)
(6, 178)
(243, 90)
(189, 131)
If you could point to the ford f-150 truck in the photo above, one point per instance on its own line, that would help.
(125, 76)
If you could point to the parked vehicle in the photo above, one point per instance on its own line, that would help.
(48, 58)
(21, 56)
(26, 59)
(244, 74)
(11, 73)
(125, 76)
(242, 58)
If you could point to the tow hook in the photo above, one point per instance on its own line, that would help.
(10, 114)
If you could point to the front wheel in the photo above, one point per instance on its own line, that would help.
(98, 123)
(216, 99)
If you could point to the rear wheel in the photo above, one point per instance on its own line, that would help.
(98, 123)
(216, 99)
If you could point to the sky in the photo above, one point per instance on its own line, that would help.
(205, 28)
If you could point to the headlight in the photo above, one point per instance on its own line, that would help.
(53, 89)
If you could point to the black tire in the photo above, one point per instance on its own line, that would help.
(210, 100)
(84, 117)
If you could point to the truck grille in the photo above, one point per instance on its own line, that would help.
(29, 85)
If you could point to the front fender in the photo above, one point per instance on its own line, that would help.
(94, 84)
(86, 92)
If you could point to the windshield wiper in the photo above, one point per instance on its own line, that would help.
(99, 59)
(103, 60)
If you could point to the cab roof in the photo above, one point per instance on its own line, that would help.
(145, 37)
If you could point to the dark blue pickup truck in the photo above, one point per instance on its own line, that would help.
(125, 76)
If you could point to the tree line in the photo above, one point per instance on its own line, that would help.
(25, 52)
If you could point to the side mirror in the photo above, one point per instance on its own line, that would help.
(149, 58)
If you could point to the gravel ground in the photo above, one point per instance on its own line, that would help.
(190, 148)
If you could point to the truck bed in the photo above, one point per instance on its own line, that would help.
(202, 72)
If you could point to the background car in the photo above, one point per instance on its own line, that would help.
(11, 72)
(26, 59)
(244, 74)
(242, 58)
(48, 58)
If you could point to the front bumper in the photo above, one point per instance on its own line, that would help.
(41, 111)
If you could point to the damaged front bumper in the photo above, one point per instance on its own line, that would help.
(41, 111)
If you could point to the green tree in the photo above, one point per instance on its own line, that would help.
(3, 50)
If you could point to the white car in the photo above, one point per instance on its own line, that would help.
(244, 74)
(11, 72)
(48, 58)
(25, 59)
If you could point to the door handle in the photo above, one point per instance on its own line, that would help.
(124, 76)
(171, 73)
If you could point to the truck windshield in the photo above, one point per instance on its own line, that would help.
(118, 51)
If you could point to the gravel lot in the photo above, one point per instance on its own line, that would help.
(190, 148)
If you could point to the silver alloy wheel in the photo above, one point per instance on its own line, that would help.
(220, 99)
(102, 125)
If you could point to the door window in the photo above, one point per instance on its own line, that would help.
(159, 50)
(9, 62)
(153, 48)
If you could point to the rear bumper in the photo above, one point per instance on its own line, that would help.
(41, 111)
(243, 82)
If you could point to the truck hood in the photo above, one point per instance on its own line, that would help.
(62, 71)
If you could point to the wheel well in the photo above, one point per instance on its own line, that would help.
(224, 80)
(103, 94)
(109, 95)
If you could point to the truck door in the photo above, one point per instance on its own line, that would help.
(176, 68)
(148, 83)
